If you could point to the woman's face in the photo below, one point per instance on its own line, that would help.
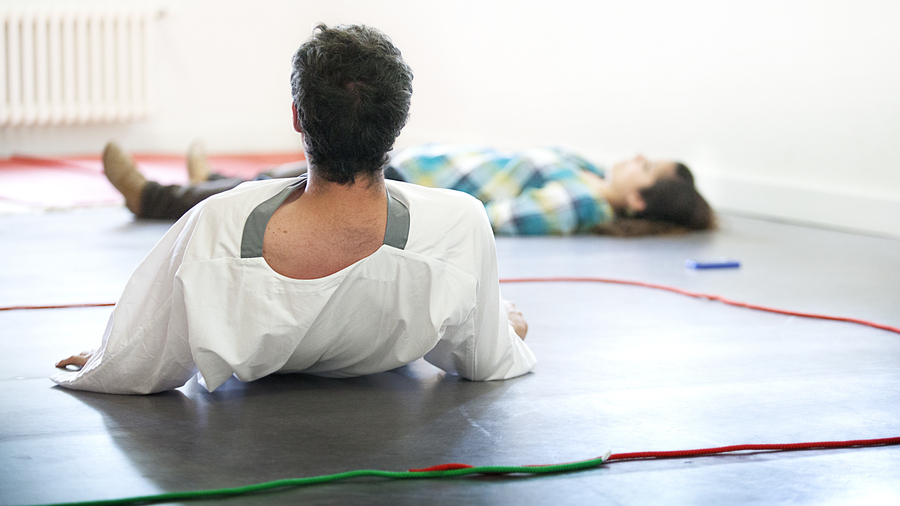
(628, 178)
(639, 173)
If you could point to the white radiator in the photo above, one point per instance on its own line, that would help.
(74, 66)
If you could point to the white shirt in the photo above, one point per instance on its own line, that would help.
(204, 300)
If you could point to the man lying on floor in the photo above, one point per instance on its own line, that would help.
(337, 273)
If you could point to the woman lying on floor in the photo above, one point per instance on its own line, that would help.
(541, 191)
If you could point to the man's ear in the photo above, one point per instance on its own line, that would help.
(634, 202)
(296, 118)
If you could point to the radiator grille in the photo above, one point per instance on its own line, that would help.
(75, 66)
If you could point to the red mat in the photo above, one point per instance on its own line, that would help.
(73, 182)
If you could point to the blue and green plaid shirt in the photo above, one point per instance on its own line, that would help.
(541, 191)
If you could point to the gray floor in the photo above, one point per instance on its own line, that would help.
(621, 368)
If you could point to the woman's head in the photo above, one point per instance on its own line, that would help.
(676, 200)
(626, 179)
(657, 197)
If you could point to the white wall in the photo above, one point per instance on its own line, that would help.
(783, 108)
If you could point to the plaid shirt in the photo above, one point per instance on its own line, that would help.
(541, 191)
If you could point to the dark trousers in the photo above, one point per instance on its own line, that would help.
(170, 202)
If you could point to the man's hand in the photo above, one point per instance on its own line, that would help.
(77, 360)
(516, 319)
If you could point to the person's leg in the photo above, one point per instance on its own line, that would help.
(172, 201)
(197, 163)
(121, 171)
(148, 199)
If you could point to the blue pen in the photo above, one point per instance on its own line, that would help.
(717, 263)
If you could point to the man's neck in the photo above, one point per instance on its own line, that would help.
(327, 226)
(363, 189)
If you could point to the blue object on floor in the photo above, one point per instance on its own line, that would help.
(717, 263)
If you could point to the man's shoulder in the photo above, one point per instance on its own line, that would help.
(224, 215)
(435, 202)
(442, 221)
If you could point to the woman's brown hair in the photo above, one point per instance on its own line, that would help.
(673, 205)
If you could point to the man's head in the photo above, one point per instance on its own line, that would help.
(351, 93)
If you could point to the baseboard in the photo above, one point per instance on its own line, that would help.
(866, 212)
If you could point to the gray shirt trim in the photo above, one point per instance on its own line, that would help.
(255, 226)
(396, 232)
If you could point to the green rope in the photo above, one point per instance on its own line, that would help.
(316, 480)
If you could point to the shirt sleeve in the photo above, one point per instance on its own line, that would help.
(559, 207)
(486, 347)
(145, 347)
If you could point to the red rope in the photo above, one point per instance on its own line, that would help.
(824, 445)
(707, 297)
(602, 280)
(442, 467)
(858, 443)
(60, 306)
